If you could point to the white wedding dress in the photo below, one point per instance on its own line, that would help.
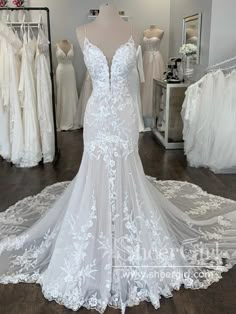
(44, 98)
(154, 67)
(5, 147)
(32, 146)
(67, 95)
(136, 77)
(209, 116)
(98, 240)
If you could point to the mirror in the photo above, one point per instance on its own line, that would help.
(192, 32)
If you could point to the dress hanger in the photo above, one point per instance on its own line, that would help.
(22, 28)
(40, 23)
(8, 16)
(30, 30)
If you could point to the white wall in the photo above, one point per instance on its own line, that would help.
(223, 29)
(182, 8)
(66, 15)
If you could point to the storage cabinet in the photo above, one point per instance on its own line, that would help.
(167, 101)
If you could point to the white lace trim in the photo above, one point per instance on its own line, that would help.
(138, 292)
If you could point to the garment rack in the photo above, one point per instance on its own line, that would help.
(57, 152)
(18, 24)
(225, 65)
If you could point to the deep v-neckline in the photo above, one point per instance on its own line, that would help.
(66, 54)
(109, 67)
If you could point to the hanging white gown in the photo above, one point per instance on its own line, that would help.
(189, 113)
(209, 116)
(200, 156)
(44, 98)
(32, 148)
(16, 122)
(223, 152)
(11, 126)
(100, 239)
(153, 65)
(136, 77)
(67, 95)
(5, 148)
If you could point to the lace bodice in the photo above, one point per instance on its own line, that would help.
(111, 78)
(110, 110)
(151, 44)
(42, 43)
(64, 58)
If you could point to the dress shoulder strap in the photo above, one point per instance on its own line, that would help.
(85, 31)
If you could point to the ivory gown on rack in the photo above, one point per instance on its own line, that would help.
(44, 98)
(98, 240)
(27, 89)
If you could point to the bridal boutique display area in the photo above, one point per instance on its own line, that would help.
(137, 213)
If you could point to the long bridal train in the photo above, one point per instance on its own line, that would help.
(87, 250)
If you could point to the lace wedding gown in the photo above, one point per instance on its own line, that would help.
(103, 238)
(136, 77)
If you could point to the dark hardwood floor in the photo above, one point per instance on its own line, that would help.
(15, 184)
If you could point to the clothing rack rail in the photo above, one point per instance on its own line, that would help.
(46, 9)
(224, 65)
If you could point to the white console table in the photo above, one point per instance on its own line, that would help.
(168, 99)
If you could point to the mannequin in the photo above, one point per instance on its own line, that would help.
(136, 77)
(67, 95)
(191, 36)
(108, 31)
(153, 31)
(153, 69)
(65, 45)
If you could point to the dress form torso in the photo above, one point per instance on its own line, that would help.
(153, 31)
(67, 96)
(108, 22)
(191, 36)
(64, 45)
(153, 69)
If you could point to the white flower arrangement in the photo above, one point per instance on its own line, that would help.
(188, 50)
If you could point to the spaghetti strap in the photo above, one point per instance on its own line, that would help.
(131, 28)
(85, 33)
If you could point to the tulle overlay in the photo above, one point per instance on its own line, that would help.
(109, 236)
(89, 254)
(209, 115)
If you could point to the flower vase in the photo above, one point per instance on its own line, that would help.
(180, 71)
(188, 72)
